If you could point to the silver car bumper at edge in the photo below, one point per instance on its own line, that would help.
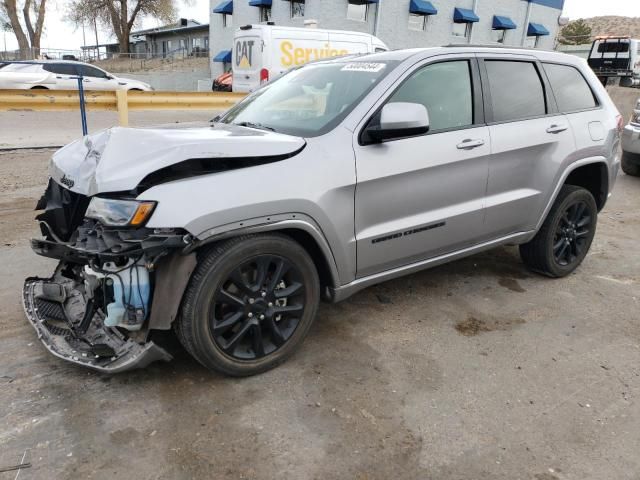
(100, 348)
(631, 139)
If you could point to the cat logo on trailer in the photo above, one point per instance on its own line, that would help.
(244, 53)
(263, 52)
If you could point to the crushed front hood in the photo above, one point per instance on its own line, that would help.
(117, 159)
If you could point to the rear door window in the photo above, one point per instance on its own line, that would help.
(571, 90)
(516, 90)
(61, 68)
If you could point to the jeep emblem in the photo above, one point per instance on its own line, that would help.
(67, 181)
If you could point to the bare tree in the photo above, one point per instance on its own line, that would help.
(28, 43)
(120, 16)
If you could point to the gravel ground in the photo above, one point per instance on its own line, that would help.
(473, 370)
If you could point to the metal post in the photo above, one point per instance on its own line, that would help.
(475, 9)
(526, 23)
(376, 24)
(83, 113)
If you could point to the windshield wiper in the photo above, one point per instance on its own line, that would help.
(259, 126)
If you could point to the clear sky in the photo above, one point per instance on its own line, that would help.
(59, 34)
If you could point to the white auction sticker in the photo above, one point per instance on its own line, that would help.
(363, 67)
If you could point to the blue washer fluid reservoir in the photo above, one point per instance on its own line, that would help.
(131, 293)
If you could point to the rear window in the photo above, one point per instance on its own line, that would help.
(19, 67)
(613, 47)
(516, 90)
(571, 90)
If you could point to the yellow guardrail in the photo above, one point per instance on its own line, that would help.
(120, 101)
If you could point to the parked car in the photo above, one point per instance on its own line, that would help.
(339, 175)
(62, 75)
(631, 144)
(263, 52)
(223, 82)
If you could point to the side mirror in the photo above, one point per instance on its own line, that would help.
(400, 119)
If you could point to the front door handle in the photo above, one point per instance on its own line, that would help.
(470, 143)
(556, 128)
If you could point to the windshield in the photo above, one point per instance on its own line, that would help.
(310, 101)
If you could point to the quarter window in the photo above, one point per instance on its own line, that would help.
(571, 90)
(357, 11)
(445, 89)
(297, 8)
(516, 90)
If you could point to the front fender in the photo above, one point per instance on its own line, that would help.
(272, 223)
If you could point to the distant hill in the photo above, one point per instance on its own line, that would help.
(612, 25)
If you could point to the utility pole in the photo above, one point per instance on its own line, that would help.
(376, 25)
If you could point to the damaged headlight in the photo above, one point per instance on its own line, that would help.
(119, 213)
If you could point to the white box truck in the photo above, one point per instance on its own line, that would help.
(263, 52)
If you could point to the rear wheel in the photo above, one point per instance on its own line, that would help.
(631, 164)
(566, 234)
(249, 304)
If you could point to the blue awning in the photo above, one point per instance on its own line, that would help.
(260, 3)
(537, 30)
(503, 23)
(223, 56)
(422, 7)
(464, 15)
(225, 7)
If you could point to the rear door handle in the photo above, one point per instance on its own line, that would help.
(470, 143)
(556, 128)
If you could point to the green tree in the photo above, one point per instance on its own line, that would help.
(577, 32)
(119, 16)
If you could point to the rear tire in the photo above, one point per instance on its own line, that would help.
(631, 164)
(249, 304)
(566, 234)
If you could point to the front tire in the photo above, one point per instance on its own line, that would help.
(249, 304)
(566, 234)
(630, 164)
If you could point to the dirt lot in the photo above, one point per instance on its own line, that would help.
(474, 370)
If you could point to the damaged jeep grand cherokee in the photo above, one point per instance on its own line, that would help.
(337, 176)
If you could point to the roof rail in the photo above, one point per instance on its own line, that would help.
(487, 45)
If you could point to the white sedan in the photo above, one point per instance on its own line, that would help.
(62, 75)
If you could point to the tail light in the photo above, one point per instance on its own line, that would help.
(264, 76)
(620, 123)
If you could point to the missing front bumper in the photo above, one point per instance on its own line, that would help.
(56, 308)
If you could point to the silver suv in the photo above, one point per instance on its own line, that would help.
(337, 176)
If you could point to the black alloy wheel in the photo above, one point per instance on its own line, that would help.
(249, 304)
(258, 307)
(572, 233)
(566, 234)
